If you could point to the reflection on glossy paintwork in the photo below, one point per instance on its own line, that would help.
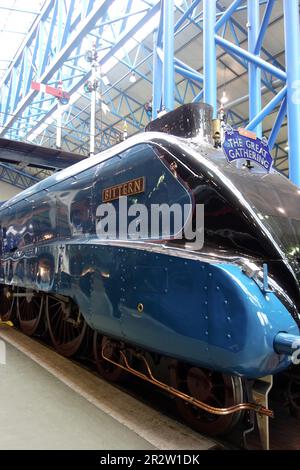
(198, 306)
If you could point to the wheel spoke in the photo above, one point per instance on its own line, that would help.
(214, 389)
(7, 305)
(106, 369)
(30, 312)
(66, 337)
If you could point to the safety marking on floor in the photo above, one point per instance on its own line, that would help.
(162, 432)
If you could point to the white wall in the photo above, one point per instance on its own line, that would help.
(7, 191)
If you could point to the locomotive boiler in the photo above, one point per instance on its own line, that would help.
(215, 321)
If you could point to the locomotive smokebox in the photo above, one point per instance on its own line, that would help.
(189, 121)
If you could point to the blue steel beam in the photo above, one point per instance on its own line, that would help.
(227, 14)
(182, 68)
(186, 15)
(140, 107)
(278, 123)
(183, 65)
(263, 64)
(135, 113)
(28, 40)
(231, 22)
(135, 109)
(64, 27)
(264, 26)
(156, 79)
(168, 52)
(88, 23)
(181, 93)
(244, 32)
(15, 177)
(112, 51)
(254, 71)
(292, 45)
(234, 24)
(257, 119)
(188, 74)
(210, 54)
(45, 51)
(198, 97)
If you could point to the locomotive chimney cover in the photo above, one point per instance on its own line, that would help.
(188, 121)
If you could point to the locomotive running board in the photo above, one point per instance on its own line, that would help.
(257, 408)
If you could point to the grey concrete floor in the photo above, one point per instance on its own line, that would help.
(38, 411)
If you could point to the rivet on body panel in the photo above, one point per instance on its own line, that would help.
(140, 307)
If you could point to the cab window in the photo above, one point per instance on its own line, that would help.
(140, 174)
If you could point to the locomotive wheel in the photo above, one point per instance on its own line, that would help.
(7, 305)
(107, 370)
(213, 388)
(67, 327)
(293, 393)
(30, 312)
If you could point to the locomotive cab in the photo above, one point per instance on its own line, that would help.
(249, 214)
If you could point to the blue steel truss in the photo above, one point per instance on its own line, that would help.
(55, 46)
(18, 178)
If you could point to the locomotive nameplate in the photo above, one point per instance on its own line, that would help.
(241, 144)
(128, 188)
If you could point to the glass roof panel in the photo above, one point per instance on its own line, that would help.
(16, 19)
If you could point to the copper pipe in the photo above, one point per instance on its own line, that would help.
(176, 393)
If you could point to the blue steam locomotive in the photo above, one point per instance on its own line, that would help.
(218, 319)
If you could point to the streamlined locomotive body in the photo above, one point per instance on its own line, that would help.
(220, 315)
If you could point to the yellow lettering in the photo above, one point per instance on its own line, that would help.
(106, 195)
(130, 187)
(113, 190)
(125, 188)
(137, 186)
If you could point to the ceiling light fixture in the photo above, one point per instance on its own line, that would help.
(105, 80)
(105, 108)
(132, 78)
(224, 99)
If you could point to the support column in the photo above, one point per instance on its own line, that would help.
(156, 79)
(292, 51)
(168, 62)
(93, 123)
(93, 101)
(210, 54)
(254, 71)
(58, 124)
